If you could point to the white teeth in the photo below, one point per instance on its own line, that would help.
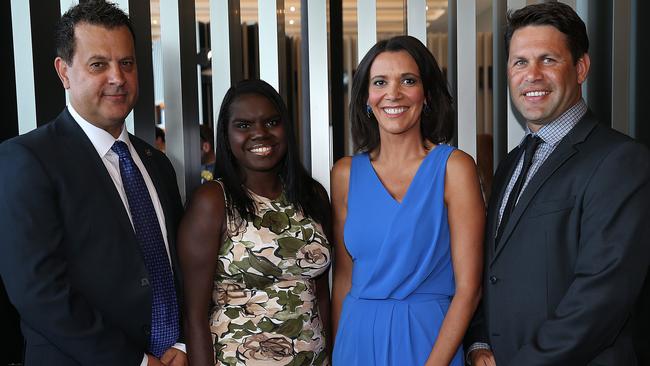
(394, 110)
(261, 150)
(537, 93)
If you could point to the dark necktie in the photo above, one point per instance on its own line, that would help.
(530, 145)
(164, 312)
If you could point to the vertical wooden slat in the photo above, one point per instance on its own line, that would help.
(23, 62)
(466, 61)
(515, 127)
(416, 19)
(271, 22)
(621, 66)
(178, 38)
(321, 160)
(366, 26)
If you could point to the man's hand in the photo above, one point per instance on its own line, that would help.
(482, 357)
(174, 357)
(153, 361)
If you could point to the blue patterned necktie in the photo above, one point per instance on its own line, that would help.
(164, 312)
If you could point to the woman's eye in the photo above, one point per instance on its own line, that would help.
(409, 81)
(242, 125)
(273, 123)
(379, 83)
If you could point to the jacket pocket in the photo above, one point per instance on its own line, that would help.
(552, 206)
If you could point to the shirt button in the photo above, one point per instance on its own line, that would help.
(493, 279)
(144, 282)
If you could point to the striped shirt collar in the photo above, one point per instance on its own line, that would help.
(555, 131)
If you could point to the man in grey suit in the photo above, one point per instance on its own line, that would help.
(566, 248)
(88, 213)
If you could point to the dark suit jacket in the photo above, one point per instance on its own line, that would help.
(68, 253)
(560, 287)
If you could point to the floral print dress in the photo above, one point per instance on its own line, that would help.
(264, 304)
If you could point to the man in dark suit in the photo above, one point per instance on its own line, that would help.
(88, 213)
(567, 248)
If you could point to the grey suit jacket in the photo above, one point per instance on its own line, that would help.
(560, 286)
(68, 255)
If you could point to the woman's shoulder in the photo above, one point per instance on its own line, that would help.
(209, 196)
(459, 158)
(341, 169)
(460, 166)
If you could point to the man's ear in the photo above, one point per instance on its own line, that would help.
(582, 67)
(62, 70)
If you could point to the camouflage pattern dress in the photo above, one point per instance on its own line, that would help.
(264, 306)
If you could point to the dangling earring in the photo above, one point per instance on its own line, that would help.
(368, 111)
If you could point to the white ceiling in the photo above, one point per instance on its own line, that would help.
(390, 15)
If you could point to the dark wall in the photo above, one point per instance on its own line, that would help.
(9, 124)
(50, 95)
(599, 29)
(337, 89)
(641, 27)
(641, 123)
(11, 348)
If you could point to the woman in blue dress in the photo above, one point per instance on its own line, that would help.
(408, 218)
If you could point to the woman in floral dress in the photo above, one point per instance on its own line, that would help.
(253, 246)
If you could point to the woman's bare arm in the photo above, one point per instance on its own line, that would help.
(199, 239)
(466, 215)
(342, 276)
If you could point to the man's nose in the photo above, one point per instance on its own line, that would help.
(533, 72)
(116, 75)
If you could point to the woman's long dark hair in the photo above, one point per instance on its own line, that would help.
(437, 121)
(299, 188)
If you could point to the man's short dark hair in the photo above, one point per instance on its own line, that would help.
(95, 12)
(555, 14)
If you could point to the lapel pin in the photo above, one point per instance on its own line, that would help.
(147, 152)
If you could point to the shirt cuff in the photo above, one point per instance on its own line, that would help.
(474, 347)
(178, 346)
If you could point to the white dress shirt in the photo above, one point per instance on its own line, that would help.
(103, 141)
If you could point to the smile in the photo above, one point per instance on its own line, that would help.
(537, 93)
(394, 110)
(261, 150)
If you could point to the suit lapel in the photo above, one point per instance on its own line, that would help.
(146, 155)
(563, 152)
(89, 161)
(165, 196)
(502, 176)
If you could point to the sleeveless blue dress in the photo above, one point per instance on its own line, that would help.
(402, 278)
